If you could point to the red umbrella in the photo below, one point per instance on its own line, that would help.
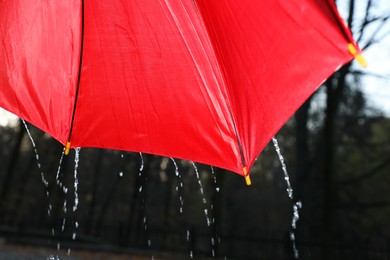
(209, 81)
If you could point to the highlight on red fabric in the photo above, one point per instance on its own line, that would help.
(208, 81)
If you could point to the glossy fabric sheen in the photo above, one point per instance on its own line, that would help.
(208, 81)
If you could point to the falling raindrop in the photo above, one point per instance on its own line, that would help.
(206, 212)
(64, 207)
(76, 195)
(59, 183)
(143, 204)
(295, 218)
(141, 168)
(76, 181)
(64, 189)
(215, 179)
(44, 181)
(179, 188)
(284, 168)
(188, 240)
(122, 161)
(201, 192)
(297, 205)
(63, 225)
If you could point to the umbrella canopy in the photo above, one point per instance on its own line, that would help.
(208, 81)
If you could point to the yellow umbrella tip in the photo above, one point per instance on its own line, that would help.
(358, 56)
(67, 148)
(248, 180)
(246, 176)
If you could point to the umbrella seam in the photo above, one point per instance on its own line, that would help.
(79, 72)
(223, 76)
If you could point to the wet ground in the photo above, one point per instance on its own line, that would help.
(19, 252)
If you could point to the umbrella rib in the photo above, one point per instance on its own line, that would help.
(68, 144)
(353, 47)
(239, 144)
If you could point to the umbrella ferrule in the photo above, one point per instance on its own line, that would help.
(357, 55)
(67, 148)
(246, 176)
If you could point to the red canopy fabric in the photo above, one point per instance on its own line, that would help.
(208, 81)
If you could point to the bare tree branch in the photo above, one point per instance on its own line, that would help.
(373, 39)
(369, 174)
(371, 74)
(351, 13)
(366, 21)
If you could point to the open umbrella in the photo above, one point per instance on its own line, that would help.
(205, 80)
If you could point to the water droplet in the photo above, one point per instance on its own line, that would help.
(76, 181)
(284, 168)
(289, 189)
(142, 162)
(292, 236)
(59, 168)
(206, 213)
(74, 235)
(63, 224)
(120, 174)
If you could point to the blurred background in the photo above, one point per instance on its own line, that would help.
(120, 205)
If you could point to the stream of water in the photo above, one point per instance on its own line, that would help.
(297, 205)
(179, 188)
(206, 210)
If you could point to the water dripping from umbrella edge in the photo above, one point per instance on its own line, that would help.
(297, 204)
(206, 210)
